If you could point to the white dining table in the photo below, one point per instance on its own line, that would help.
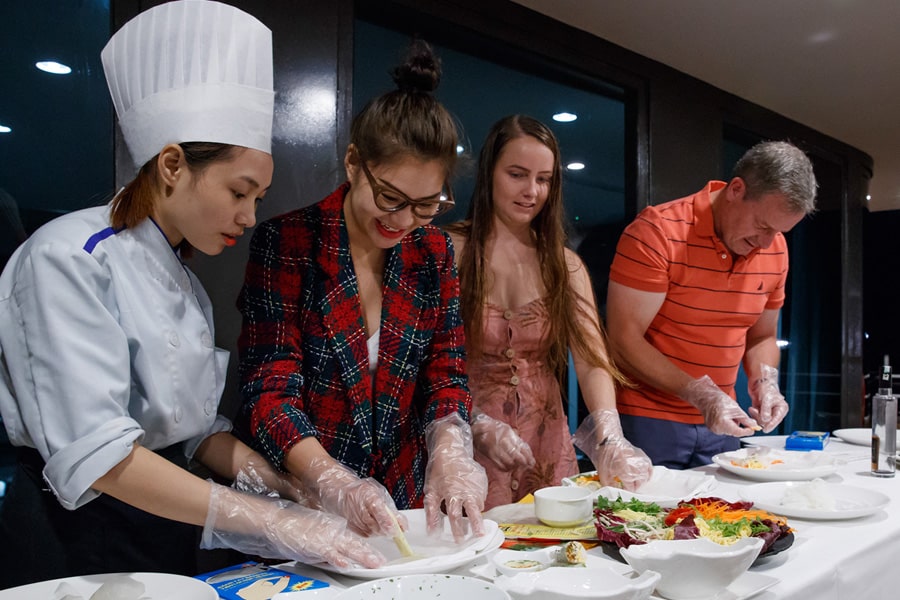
(854, 559)
(833, 560)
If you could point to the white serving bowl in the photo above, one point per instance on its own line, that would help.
(563, 583)
(424, 587)
(563, 506)
(692, 569)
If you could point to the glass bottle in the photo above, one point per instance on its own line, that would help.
(884, 425)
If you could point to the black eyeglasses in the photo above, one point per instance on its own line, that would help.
(390, 199)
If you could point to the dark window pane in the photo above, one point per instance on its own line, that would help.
(58, 156)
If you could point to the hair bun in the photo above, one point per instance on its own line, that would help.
(420, 71)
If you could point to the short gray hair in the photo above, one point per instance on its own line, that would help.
(779, 167)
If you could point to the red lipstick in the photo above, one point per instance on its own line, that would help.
(392, 235)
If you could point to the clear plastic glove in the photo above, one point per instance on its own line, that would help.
(618, 462)
(277, 528)
(768, 405)
(365, 503)
(257, 476)
(453, 478)
(500, 443)
(721, 413)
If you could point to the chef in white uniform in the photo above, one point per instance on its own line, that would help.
(109, 376)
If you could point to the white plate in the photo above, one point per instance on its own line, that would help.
(422, 587)
(603, 580)
(747, 585)
(861, 436)
(850, 501)
(779, 465)
(664, 485)
(157, 586)
(439, 554)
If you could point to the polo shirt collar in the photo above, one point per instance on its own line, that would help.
(704, 224)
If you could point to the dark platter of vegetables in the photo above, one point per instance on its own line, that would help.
(626, 522)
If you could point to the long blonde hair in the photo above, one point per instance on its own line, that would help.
(568, 310)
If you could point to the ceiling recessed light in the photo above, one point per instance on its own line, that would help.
(574, 166)
(564, 117)
(5, 129)
(460, 149)
(868, 197)
(51, 66)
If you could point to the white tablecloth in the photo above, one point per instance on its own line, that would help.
(855, 559)
(835, 560)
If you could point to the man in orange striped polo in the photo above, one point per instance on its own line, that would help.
(695, 291)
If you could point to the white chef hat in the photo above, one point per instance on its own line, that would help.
(191, 71)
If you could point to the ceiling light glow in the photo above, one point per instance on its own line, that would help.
(5, 129)
(564, 117)
(868, 197)
(782, 343)
(51, 66)
(460, 149)
(574, 166)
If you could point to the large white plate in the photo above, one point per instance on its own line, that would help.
(664, 485)
(157, 586)
(850, 502)
(861, 436)
(747, 585)
(779, 465)
(439, 554)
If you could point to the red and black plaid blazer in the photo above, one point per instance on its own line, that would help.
(303, 355)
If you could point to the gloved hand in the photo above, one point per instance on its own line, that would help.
(276, 528)
(257, 476)
(500, 443)
(453, 478)
(365, 503)
(721, 412)
(618, 462)
(768, 406)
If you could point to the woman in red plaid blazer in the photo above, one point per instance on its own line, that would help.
(352, 347)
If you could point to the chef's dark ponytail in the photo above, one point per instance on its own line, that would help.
(408, 121)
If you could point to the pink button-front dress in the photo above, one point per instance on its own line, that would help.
(511, 382)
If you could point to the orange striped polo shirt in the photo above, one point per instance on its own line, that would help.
(712, 298)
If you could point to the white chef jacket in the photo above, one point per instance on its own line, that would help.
(106, 339)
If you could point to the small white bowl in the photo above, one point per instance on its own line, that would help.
(424, 587)
(563, 506)
(513, 562)
(693, 569)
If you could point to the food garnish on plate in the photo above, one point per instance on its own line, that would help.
(573, 553)
(589, 480)
(522, 563)
(627, 522)
(755, 462)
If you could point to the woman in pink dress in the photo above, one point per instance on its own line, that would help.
(527, 301)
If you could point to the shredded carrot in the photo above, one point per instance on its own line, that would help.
(728, 514)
